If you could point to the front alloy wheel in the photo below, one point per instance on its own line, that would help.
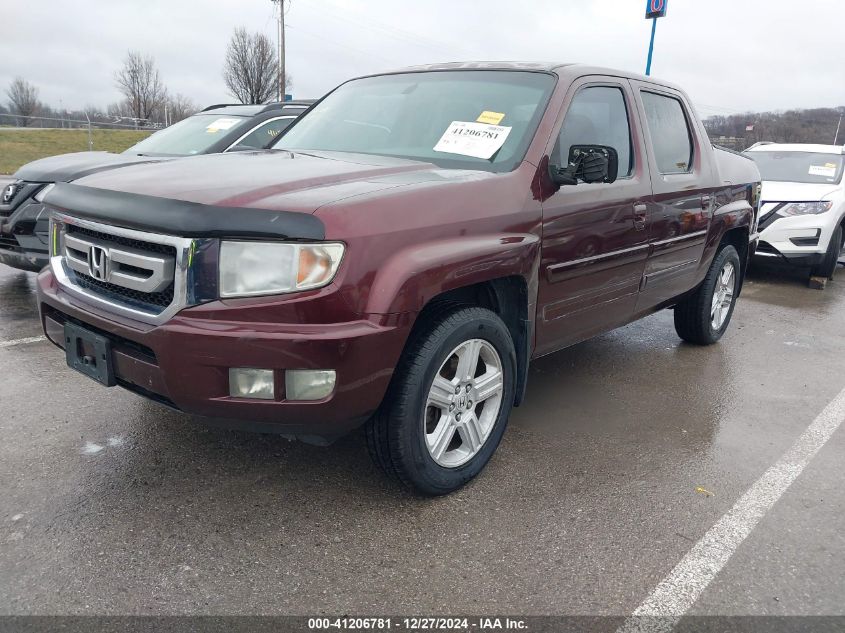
(463, 403)
(448, 404)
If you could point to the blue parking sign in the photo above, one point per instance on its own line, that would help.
(655, 8)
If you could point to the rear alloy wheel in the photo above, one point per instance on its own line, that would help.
(448, 403)
(723, 297)
(703, 317)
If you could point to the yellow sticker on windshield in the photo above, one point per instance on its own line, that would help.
(490, 118)
(220, 124)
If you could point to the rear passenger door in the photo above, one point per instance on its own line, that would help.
(595, 241)
(680, 212)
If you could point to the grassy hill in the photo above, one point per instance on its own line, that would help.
(20, 146)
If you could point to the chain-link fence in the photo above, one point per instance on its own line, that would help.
(44, 136)
(96, 121)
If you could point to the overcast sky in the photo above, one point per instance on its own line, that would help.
(730, 55)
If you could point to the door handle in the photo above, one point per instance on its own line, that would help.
(640, 214)
(705, 201)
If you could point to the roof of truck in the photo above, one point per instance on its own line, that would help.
(515, 65)
(798, 147)
(560, 68)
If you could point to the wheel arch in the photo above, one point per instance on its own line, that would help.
(738, 238)
(509, 298)
(496, 271)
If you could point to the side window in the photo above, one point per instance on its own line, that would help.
(265, 133)
(670, 133)
(597, 116)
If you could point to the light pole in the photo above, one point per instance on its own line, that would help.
(653, 9)
(281, 25)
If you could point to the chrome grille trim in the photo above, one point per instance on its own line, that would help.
(152, 273)
(159, 264)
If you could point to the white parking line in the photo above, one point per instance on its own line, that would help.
(676, 593)
(22, 341)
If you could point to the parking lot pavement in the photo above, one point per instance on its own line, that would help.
(629, 449)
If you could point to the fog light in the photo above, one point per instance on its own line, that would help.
(251, 383)
(309, 384)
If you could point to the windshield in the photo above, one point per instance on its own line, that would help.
(193, 135)
(461, 119)
(806, 167)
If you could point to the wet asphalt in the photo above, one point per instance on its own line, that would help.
(628, 449)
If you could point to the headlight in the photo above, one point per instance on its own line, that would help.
(39, 197)
(264, 268)
(805, 208)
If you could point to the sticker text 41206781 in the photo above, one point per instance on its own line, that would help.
(478, 140)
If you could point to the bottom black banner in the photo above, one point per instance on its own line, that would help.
(455, 624)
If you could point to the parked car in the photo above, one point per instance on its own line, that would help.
(802, 217)
(414, 244)
(218, 128)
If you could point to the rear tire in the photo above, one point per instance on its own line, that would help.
(827, 268)
(704, 316)
(448, 404)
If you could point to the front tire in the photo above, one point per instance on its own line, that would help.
(704, 316)
(448, 403)
(827, 268)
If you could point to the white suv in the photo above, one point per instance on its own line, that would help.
(802, 209)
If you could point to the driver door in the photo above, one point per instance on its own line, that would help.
(595, 242)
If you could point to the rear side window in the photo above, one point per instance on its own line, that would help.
(597, 116)
(670, 133)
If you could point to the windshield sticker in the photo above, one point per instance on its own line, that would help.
(467, 138)
(220, 124)
(831, 165)
(491, 118)
(823, 170)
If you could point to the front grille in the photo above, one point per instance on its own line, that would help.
(134, 298)
(152, 247)
(9, 243)
(123, 270)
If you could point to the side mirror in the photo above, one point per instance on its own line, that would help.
(588, 163)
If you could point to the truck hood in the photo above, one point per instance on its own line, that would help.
(68, 167)
(795, 191)
(272, 179)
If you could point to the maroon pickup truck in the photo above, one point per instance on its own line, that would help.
(397, 261)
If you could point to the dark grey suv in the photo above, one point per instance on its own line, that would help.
(218, 128)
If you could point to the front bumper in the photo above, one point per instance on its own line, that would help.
(800, 240)
(184, 363)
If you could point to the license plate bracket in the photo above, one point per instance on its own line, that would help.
(89, 353)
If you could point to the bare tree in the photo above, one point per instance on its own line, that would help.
(816, 125)
(119, 109)
(23, 100)
(141, 85)
(250, 70)
(180, 107)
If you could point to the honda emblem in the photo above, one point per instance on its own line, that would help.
(98, 263)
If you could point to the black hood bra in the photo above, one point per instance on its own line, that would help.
(179, 217)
